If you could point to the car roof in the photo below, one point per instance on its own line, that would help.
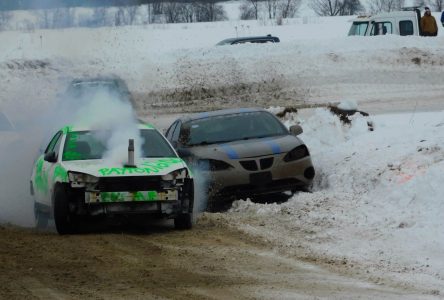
(392, 14)
(77, 128)
(248, 38)
(110, 78)
(222, 112)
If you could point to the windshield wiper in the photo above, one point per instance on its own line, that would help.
(209, 143)
(262, 136)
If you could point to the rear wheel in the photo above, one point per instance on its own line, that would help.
(62, 218)
(183, 221)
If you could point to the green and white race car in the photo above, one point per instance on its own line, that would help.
(71, 181)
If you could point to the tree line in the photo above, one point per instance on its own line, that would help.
(62, 13)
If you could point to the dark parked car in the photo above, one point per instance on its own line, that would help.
(243, 152)
(250, 39)
(85, 87)
(85, 95)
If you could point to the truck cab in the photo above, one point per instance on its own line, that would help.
(404, 23)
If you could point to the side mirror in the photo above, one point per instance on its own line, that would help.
(50, 157)
(296, 130)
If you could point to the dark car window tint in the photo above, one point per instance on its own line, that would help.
(170, 130)
(232, 127)
(155, 144)
(405, 28)
(176, 132)
(382, 28)
(84, 145)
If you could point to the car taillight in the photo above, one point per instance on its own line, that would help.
(297, 153)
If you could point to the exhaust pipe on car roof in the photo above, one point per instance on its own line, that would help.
(130, 163)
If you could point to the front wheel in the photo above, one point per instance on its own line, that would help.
(62, 217)
(183, 221)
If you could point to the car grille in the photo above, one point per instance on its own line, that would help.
(252, 165)
(266, 163)
(131, 183)
(249, 165)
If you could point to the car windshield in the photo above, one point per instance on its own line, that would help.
(85, 145)
(358, 28)
(232, 127)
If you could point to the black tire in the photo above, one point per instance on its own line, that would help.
(183, 221)
(62, 218)
(40, 218)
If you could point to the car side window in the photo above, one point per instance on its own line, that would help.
(54, 143)
(176, 132)
(382, 28)
(170, 131)
(405, 28)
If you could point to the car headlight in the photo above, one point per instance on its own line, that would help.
(177, 174)
(212, 165)
(82, 178)
(297, 153)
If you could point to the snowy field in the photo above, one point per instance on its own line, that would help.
(377, 205)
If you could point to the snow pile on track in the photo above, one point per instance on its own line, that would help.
(378, 199)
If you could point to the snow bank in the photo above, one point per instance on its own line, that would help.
(175, 67)
(378, 198)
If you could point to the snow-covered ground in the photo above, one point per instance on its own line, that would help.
(377, 203)
(378, 199)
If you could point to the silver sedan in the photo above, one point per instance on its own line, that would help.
(243, 152)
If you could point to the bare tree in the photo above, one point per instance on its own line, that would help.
(351, 7)
(154, 9)
(44, 18)
(289, 8)
(420, 3)
(5, 17)
(327, 7)
(377, 6)
(172, 12)
(188, 12)
(247, 12)
(119, 17)
(99, 17)
(438, 4)
(255, 7)
(272, 8)
(209, 11)
(131, 13)
(63, 17)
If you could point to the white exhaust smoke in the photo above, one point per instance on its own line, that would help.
(103, 111)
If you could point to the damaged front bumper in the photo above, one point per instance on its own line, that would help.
(137, 195)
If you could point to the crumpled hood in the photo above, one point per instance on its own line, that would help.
(145, 167)
(248, 148)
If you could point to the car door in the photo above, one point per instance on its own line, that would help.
(43, 170)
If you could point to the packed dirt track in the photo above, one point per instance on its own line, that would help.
(211, 261)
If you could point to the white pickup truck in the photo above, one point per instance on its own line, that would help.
(405, 22)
